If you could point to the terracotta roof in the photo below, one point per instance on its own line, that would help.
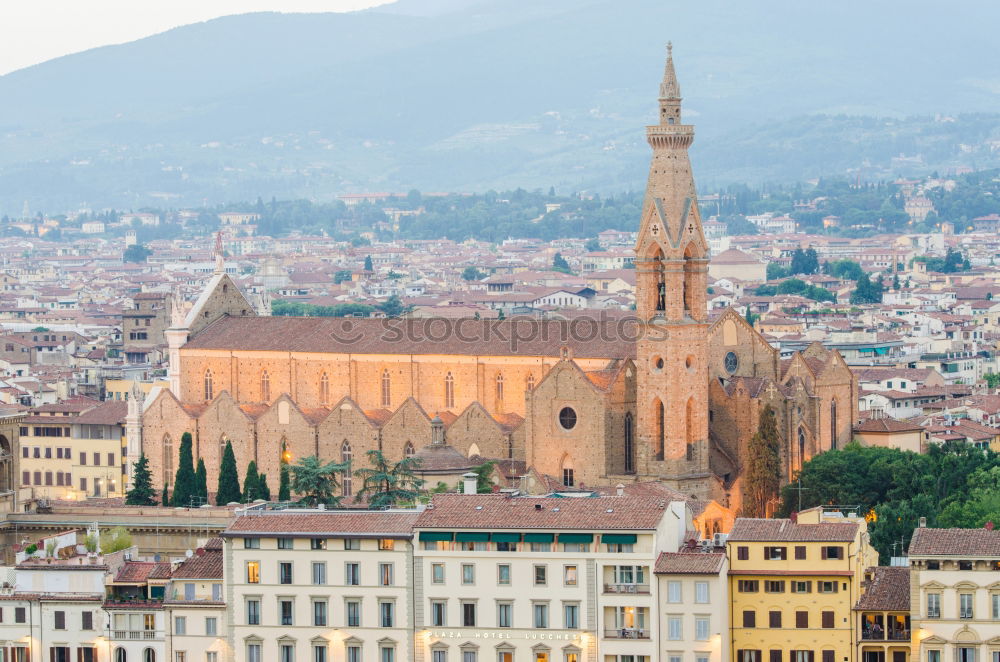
(889, 590)
(886, 425)
(112, 412)
(950, 542)
(441, 457)
(497, 511)
(748, 529)
(585, 337)
(139, 572)
(341, 522)
(205, 564)
(689, 563)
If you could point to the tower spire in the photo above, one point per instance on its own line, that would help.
(670, 91)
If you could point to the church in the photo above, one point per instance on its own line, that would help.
(669, 395)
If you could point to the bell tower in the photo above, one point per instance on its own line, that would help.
(671, 282)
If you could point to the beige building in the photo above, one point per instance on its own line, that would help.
(694, 602)
(736, 264)
(955, 595)
(891, 433)
(195, 611)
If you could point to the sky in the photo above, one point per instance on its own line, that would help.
(33, 31)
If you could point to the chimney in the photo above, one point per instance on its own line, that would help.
(619, 489)
(923, 523)
(469, 482)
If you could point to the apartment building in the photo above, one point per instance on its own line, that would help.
(502, 578)
(955, 594)
(694, 602)
(793, 584)
(320, 586)
(137, 627)
(195, 611)
(882, 616)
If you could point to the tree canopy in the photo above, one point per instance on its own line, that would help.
(386, 483)
(316, 481)
(141, 493)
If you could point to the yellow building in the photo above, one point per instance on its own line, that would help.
(793, 584)
(119, 389)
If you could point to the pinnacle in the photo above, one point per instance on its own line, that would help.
(669, 89)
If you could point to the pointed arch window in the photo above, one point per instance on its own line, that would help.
(833, 425)
(802, 447)
(449, 391)
(386, 389)
(209, 390)
(408, 450)
(168, 460)
(689, 428)
(629, 445)
(499, 382)
(324, 389)
(345, 457)
(530, 384)
(265, 386)
(661, 283)
(661, 429)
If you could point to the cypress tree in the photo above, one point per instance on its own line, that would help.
(264, 492)
(142, 493)
(285, 484)
(201, 481)
(184, 482)
(763, 473)
(229, 478)
(251, 488)
(368, 263)
(166, 497)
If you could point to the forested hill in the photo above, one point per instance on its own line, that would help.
(452, 95)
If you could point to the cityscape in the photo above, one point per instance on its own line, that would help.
(753, 420)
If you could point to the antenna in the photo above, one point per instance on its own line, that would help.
(800, 490)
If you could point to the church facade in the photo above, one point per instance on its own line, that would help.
(669, 395)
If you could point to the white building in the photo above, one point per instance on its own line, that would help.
(694, 603)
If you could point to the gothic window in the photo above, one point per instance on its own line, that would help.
(689, 428)
(567, 472)
(629, 445)
(690, 286)
(345, 458)
(324, 389)
(802, 447)
(499, 387)
(209, 391)
(168, 460)
(386, 389)
(661, 429)
(530, 384)
(833, 425)
(265, 386)
(661, 284)
(408, 450)
(449, 391)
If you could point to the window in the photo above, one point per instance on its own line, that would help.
(826, 619)
(505, 614)
(346, 484)
(59, 653)
(286, 543)
(352, 610)
(265, 386)
(469, 614)
(571, 616)
(673, 591)
(540, 614)
(285, 611)
(743, 553)
(503, 574)
(324, 389)
(995, 602)
(285, 572)
(439, 610)
(385, 574)
(775, 553)
(386, 611)
(802, 619)
(674, 628)
(826, 587)
(60, 620)
(319, 653)
(211, 626)
(774, 586)
(319, 573)
(208, 385)
(86, 620)
(829, 656)
(286, 653)
(253, 572)
(352, 544)
(352, 574)
(567, 418)
(933, 605)
(934, 656)
(386, 544)
(747, 586)
(569, 575)
(439, 656)
(701, 592)
(19, 614)
(180, 625)
(774, 619)
(499, 387)
(468, 573)
(540, 575)
(449, 391)
(319, 613)
(253, 612)
(701, 628)
(749, 619)
(388, 654)
(253, 653)
(189, 591)
(801, 587)
(834, 552)
(386, 389)
(354, 654)
(965, 605)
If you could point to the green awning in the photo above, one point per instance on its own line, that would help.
(539, 537)
(576, 537)
(505, 537)
(435, 536)
(472, 536)
(618, 538)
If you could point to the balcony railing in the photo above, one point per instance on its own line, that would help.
(626, 633)
(631, 589)
(136, 635)
(881, 635)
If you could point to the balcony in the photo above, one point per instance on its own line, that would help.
(136, 635)
(629, 589)
(626, 633)
(879, 635)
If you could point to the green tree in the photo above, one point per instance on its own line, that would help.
(471, 273)
(981, 504)
(844, 269)
(317, 482)
(775, 271)
(867, 291)
(115, 540)
(136, 253)
(592, 245)
(992, 379)
(184, 482)
(251, 488)
(265, 491)
(750, 316)
(141, 492)
(386, 484)
(341, 276)
(368, 263)
(284, 484)
(229, 478)
(559, 263)
(201, 482)
(804, 262)
(393, 307)
(165, 499)
(762, 480)
(483, 474)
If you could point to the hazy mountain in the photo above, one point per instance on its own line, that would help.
(461, 95)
